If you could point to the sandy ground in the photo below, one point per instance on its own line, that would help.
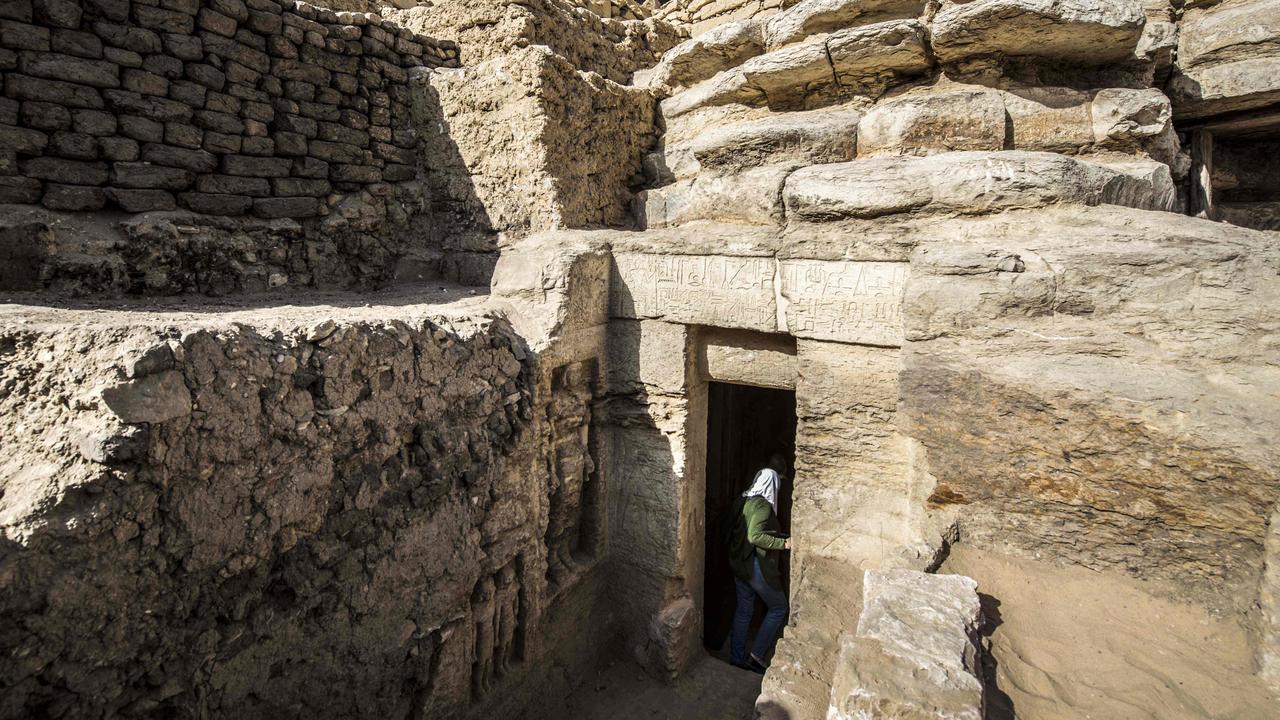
(711, 690)
(1073, 643)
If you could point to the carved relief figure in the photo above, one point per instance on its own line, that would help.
(572, 467)
(482, 614)
(507, 613)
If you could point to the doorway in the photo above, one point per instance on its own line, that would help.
(745, 425)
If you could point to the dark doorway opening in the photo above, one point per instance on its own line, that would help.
(745, 425)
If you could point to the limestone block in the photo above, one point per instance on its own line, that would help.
(699, 58)
(730, 86)
(1228, 58)
(964, 182)
(1125, 115)
(812, 17)
(855, 302)
(1049, 118)
(814, 136)
(865, 57)
(913, 654)
(753, 196)
(934, 122)
(789, 74)
(645, 354)
(719, 290)
(747, 358)
(1090, 32)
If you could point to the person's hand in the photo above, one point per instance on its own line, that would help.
(786, 544)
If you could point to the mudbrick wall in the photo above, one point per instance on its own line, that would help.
(273, 515)
(218, 107)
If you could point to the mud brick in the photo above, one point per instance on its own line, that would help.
(288, 143)
(259, 146)
(45, 116)
(318, 111)
(76, 146)
(219, 122)
(255, 166)
(16, 10)
(141, 200)
(221, 143)
(190, 7)
(234, 9)
(119, 149)
(335, 132)
(355, 173)
(336, 152)
(148, 106)
(139, 40)
(75, 198)
(281, 47)
(398, 173)
(288, 69)
(14, 189)
(184, 47)
(164, 66)
(56, 66)
(163, 20)
(262, 112)
(75, 42)
(198, 161)
(295, 124)
(215, 204)
(207, 75)
(182, 135)
(266, 23)
(117, 10)
(299, 90)
(58, 13)
(223, 103)
(143, 175)
(291, 207)
(122, 57)
(308, 167)
(188, 93)
(238, 74)
(145, 83)
(71, 172)
(234, 185)
(94, 122)
(215, 22)
(141, 129)
(23, 140)
(271, 86)
(246, 92)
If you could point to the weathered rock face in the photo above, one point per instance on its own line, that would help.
(1227, 57)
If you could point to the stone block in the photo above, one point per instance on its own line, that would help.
(711, 52)
(23, 140)
(336, 152)
(221, 143)
(22, 36)
(188, 93)
(74, 198)
(76, 146)
(25, 87)
(355, 173)
(215, 204)
(94, 122)
(119, 149)
(813, 17)
(156, 108)
(300, 187)
(144, 83)
(812, 137)
(58, 13)
(44, 116)
(141, 175)
(14, 189)
(863, 57)
(197, 161)
(233, 185)
(256, 166)
(71, 172)
(141, 200)
(141, 129)
(915, 652)
(78, 43)
(184, 136)
(206, 75)
(934, 122)
(293, 207)
(1090, 32)
(165, 21)
(139, 40)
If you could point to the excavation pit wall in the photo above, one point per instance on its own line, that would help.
(270, 512)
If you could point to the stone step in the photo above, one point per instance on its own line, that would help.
(1089, 32)
(847, 63)
(967, 182)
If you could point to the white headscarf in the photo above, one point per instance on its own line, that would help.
(765, 485)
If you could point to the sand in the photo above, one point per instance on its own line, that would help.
(1074, 643)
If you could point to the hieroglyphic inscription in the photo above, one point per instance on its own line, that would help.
(859, 302)
(713, 290)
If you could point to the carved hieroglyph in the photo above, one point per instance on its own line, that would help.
(855, 302)
(844, 301)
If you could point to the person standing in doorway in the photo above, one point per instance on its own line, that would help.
(756, 542)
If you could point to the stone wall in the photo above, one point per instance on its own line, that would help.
(223, 108)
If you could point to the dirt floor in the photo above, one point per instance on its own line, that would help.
(1073, 643)
(711, 690)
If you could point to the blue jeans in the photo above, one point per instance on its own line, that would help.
(774, 600)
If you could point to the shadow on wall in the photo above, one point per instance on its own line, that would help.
(462, 239)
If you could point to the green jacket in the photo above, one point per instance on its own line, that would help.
(754, 532)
